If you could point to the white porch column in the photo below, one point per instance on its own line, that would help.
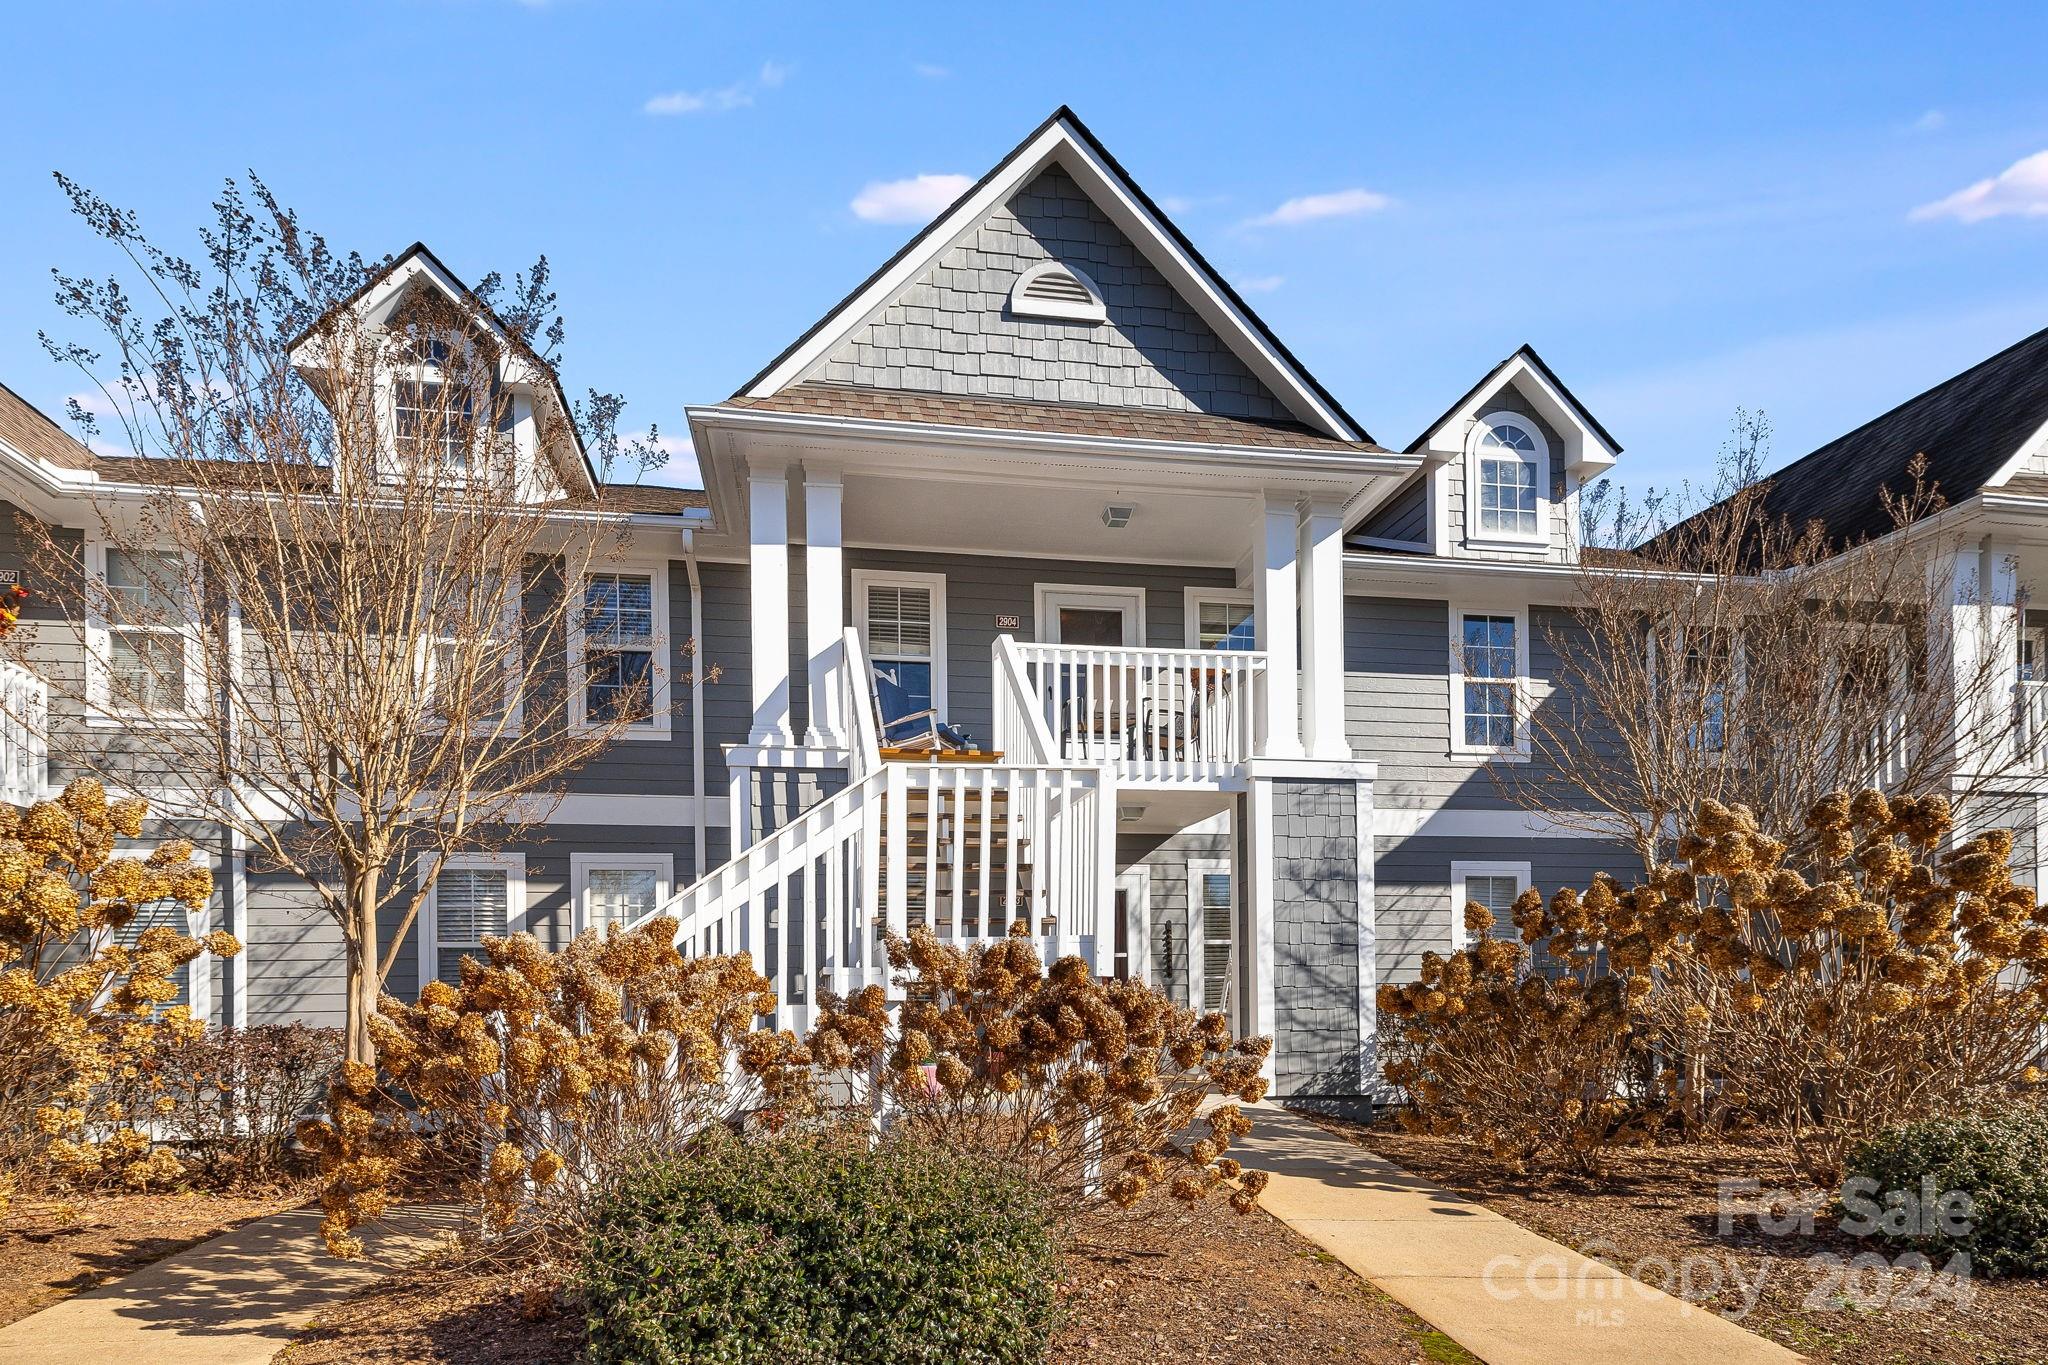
(824, 603)
(768, 599)
(1322, 631)
(1978, 586)
(1274, 625)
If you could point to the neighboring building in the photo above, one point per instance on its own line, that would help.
(1049, 476)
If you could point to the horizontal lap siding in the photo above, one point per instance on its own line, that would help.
(1412, 887)
(981, 587)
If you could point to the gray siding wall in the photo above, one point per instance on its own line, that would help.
(1316, 1039)
(1412, 887)
(1405, 516)
(952, 332)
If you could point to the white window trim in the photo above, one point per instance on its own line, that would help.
(513, 865)
(1518, 752)
(1191, 611)
(935, 583)
(1093, 310)
(1047, 598)
(515, 669)
(581, 865)
(1545, 513)
(1198, 938)
(1136, 884)
(101, 711)
(658, 725)
(1460, 871)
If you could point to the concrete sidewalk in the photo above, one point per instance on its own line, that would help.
(234, 1300)
(1497, 1289)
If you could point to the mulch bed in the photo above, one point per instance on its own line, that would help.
(1179, 1285)
(1662, 1207)
(51, 1249)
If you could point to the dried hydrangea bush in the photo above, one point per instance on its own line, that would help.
(86, 1009)
(1894, 978)
(1098, 1089)
(535, 1079)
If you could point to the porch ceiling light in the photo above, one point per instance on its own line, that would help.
(1117, 515)
(1131, 814)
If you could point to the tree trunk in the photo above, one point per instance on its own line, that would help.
(363, 976)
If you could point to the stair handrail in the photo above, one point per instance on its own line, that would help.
(857, 700)
(1021, 730)
(738, 871)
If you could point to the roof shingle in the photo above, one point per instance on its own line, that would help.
(23, 426)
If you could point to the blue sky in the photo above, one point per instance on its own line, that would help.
(1686, 208)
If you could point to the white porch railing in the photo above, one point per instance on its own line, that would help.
(1151, 714)
(24, 749)
(968, 849)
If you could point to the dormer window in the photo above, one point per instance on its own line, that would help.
(1505, 476)
(432, 423)
(1053, 290)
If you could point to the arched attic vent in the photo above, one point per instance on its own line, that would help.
(1053, 290)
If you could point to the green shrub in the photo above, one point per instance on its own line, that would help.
(818, 1251)
(1999, 1161)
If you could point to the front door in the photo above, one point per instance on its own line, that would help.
(1105, 618)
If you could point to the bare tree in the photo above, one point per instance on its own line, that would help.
(1739, 657)
(337, 619)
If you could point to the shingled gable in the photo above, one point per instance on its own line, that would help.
(1976, 430)
(416, 265)
(1177, 338)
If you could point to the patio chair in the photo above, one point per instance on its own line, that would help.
(913, 730)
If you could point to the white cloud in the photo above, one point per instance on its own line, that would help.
(2021, 188)
(918, 199)
(931, 71)
(1260, 284)
(1933, 121)
(723, 99)
(1310, 208)
(681, 471)
(1176, 203)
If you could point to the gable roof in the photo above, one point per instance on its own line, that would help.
(1970, 427)
(1527, 354)
(457, 288)
(29, 430)
(1062, 138)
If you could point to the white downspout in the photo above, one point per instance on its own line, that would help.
(696, 702)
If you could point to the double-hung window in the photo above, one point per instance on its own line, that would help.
(1505, 473)
(902, 620)
(619, 648)
(474, 895)
(1492, 886)
(148, 632)
(433, 422)
(1212, 907)
(1489, 655)
(1220, 622)
(473, 629)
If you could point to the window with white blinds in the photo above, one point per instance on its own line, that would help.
(1496, 886)
(469, 902)
(169, 915)
(1214, 903)
(618, 647)
(903, 629)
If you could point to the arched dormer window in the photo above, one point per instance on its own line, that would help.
(1505, 475)
(1051, 289)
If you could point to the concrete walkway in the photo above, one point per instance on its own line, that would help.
(1497, 1289)
(234, 1300)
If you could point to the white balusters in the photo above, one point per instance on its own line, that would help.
(1159, 715)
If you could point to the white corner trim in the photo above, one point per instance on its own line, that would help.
(1460, 870)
